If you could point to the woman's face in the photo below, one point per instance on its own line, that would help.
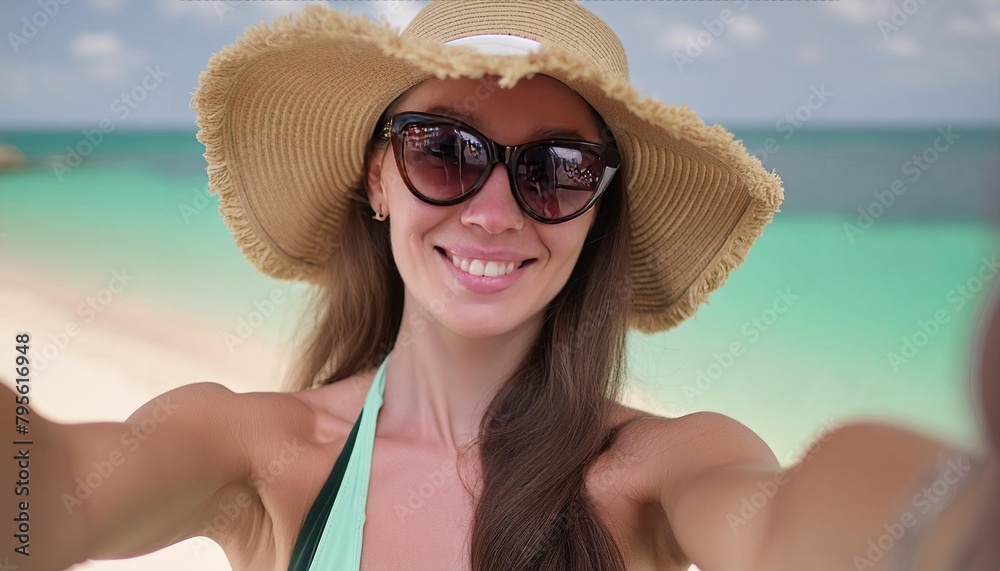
(490, 226)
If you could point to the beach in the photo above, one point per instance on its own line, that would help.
(102, 366)
(128, 282)
(115, 362)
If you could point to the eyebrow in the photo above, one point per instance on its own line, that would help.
(541, 132)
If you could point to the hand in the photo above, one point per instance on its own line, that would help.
(982, 552)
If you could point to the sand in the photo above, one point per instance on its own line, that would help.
(103, 367)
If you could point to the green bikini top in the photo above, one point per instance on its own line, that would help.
(331, 536)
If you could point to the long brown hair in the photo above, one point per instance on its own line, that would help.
(547, 423)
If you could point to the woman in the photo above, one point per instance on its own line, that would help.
(456, 404)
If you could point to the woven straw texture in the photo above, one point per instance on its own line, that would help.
(285, 112)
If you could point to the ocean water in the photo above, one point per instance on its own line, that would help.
(856, 302)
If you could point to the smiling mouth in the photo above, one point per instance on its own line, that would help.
(483, 267)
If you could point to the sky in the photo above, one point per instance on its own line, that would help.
(67, 63)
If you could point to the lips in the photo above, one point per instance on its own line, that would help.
(487, 268)
(468, 277)
(482, 266)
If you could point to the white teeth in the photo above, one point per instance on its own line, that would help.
(488, 269)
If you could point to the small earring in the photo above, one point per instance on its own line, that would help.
(379, 216)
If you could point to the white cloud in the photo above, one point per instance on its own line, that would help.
(903, 46)
(988, 24)
(206, 12)
(271, 9)
(95, 44)
(17, 82)
(107, 5)
(399, 13)
(23, 80)
(677, 37)
(992, 20)
(858, 12)
(964, 26)
(693, 41)
(214, 12)
(104, 56)
(747, 30)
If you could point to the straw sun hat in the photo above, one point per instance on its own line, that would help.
(286, 111)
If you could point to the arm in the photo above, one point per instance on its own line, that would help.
(864, 495)
(862, 498)
(708, 487)
(827, 512)
(121, 489)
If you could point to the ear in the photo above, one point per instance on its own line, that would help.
(376, 194)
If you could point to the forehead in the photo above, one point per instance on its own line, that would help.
(539, 107)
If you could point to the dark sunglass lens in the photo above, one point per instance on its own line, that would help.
(442, 161)
(558, 181)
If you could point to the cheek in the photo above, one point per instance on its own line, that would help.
(564, 243)
(411, 215)
(408, 231)
(412, 227)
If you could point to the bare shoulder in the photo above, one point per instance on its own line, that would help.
(659, 451)
(652, 455)
(333, 408)
(314, 417)
(716, 435)
(289, 440)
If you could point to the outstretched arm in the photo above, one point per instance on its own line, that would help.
(862, 496)
(112, 490)
(876, 497)
(867, 496)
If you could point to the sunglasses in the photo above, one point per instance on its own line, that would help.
(443, 162)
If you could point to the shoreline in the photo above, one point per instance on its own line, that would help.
(101, 365)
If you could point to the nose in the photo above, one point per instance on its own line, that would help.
(493, 207)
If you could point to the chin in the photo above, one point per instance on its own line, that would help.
(476, 318)
(480, 324)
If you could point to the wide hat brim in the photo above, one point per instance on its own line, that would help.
(286, 111)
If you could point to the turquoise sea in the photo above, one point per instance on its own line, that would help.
(836, 314)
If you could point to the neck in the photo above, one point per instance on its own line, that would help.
(439, 383)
